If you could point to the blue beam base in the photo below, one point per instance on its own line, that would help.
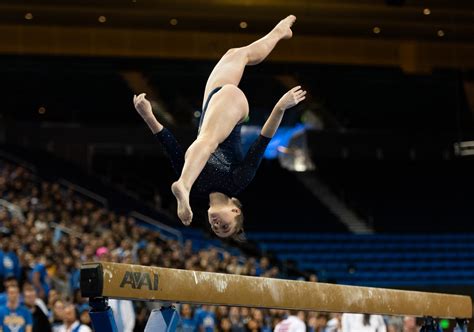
(101, 315)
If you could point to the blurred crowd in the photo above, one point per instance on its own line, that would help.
(55, 229)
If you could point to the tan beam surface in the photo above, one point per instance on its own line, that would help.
(75, 41)
(154, 283)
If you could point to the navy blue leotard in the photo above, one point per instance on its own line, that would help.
(227, 170)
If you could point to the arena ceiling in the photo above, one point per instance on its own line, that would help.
(374, 24)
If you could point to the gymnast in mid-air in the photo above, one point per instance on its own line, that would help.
(214, 164)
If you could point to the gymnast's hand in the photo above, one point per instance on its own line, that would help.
(143, 106)
(291, 98)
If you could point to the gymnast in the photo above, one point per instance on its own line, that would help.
(214, 164)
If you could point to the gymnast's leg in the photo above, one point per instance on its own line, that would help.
(227, 73)
(230, 68)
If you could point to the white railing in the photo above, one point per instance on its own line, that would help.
(83, 191)
(18, 161)
(162, 227)
(65, 230)
(166, 231)
(13, 209)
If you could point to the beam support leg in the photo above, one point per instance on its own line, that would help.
(101, 315)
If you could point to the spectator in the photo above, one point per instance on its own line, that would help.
(124, 314)
(245, 315)
(187, 320)
(40, 320)
(252, 326)
(335, 323)
(141, 319)
(259, 318)
(236, 323)
(291, 324)
(71, 323)
(57, 316)
(80, 301)
(9, 261)
(313, 277)
(318, 323)
(13, 316)
(301, 315)
(84, 316)
(225, 325)
(363, 323)
(9, 281)
(394, 324)
(409, 324)
(52, 298)
(39, 302)
(263, 266)
(222, 312)
(205, 319)
(75, 274)
(38, 278)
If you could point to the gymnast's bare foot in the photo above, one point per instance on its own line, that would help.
(182, 197)
(284, 27)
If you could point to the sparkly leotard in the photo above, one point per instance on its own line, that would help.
(227, 170)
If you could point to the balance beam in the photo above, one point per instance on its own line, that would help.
(135, 282)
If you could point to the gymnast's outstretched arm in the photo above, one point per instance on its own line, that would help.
(289, 99)
(143, 107)
(246, 172)
(168, 141)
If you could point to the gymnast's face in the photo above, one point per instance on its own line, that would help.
(222, 219)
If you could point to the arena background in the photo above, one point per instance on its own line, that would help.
(368, 182)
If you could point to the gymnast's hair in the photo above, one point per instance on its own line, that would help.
(239, 234)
